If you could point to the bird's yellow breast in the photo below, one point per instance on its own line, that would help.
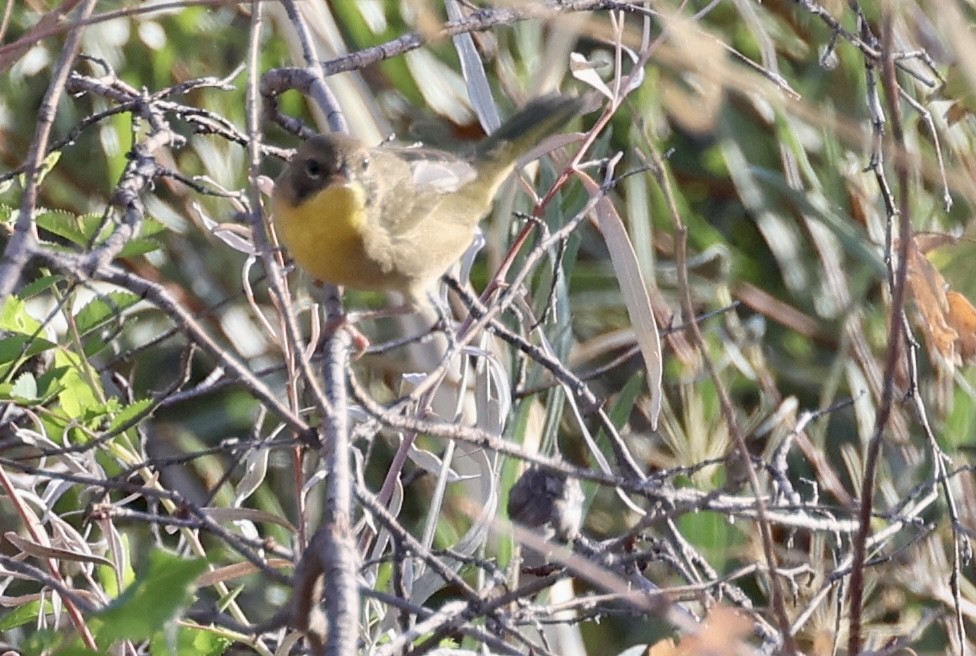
(325, 234)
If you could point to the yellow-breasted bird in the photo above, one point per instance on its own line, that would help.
(392, 218)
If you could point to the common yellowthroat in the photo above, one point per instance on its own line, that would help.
(395, 219)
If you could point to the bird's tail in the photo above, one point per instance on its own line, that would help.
(523, 131)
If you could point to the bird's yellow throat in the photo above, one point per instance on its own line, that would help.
(324, 233)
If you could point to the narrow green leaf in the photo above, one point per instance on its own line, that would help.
(625, 401)
(48, 164)
(849, 234)
(23, 614)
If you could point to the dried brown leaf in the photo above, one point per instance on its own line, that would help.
(962, 318)
(928, 290)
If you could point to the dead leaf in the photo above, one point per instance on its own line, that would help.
(722, 632)
(929, 241)
(962, 318)
(928, 290)
(664, 647)
(947, 318)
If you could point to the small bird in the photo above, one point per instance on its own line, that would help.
(548, 502)
(391, 218)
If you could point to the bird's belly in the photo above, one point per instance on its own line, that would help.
(339, 262)
(325, 236)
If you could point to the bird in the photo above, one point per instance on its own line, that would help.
(393, 218)
(547, 502)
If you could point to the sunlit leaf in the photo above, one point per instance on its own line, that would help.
(102, 309)
(78, 229)
(24, 388)
(157, 594)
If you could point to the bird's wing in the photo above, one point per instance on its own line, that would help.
(433, 175)
(442, 176)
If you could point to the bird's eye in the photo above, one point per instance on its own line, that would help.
(313, 169)
(364, 164)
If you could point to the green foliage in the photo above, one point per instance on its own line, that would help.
(149, 380)
(190, 642)
(147, 607)
(23, 614)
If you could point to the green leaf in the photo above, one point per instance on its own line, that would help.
(49, 383)
(78, 229)
(48, 164)
(76, 397)
(151, 227)
(107, 576)
(17, 348)
(14, 317)
(627, 399)
(23, 614)
(22, 341)
(103, 308)
(24, 388)
(190, 641)
(146, 606)
(77, 649)
(847, 233)
(90, 229)
(713, 535)
(131, 413)
(42, 284)
(140, 246)
(144, 243)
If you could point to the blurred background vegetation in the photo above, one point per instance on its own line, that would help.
(777, 135)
